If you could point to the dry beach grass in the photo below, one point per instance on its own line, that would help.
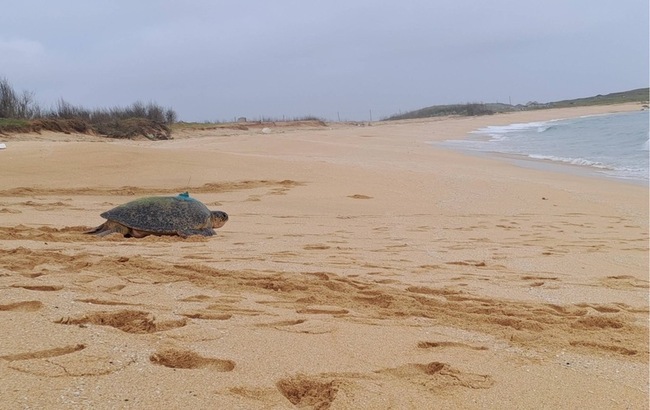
(361, 268)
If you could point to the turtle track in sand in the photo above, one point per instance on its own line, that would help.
(588, 329)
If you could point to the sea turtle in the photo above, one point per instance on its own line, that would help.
(161, 215)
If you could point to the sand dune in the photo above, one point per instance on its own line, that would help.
(361, 268)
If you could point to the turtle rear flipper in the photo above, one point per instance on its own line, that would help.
(110, 227)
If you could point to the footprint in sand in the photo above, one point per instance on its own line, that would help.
(608, 347)
(304, 391)
(197, 298)
(10, 211)
(44, 354)
(94, 301)
(347, 390)
(323, 310)
(130, 321)
(478, 264)
(312, 327)
(314, 247)
(598, 322)
(381, 301)
(433, 291)
(46, 206)
(624, 282)
(539, 280)
(186, 359)
(42, 288)
(27, 306)
(439, 345)
(64, 361)
(257, 397)
(436, 375)
(207, 315)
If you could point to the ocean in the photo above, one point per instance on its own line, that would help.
(610, 145)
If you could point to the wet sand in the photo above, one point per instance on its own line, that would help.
(361, 268)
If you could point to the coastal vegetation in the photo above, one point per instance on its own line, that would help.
(20, 113)
(639, 95)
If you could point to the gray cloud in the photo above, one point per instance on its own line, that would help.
(215, 60)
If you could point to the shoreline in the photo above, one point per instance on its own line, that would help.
(545, 164)
(566, 168)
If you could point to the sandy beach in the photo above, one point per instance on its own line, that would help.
(362, 268)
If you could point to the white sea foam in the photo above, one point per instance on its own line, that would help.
(614, 144)
(504, 129)
(572, 161)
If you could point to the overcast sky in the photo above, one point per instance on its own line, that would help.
(217, 60)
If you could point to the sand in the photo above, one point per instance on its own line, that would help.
(362, 268)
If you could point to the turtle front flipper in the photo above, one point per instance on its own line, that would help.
(110, 227)
(203, 232)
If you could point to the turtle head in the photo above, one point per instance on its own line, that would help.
(219, 218)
